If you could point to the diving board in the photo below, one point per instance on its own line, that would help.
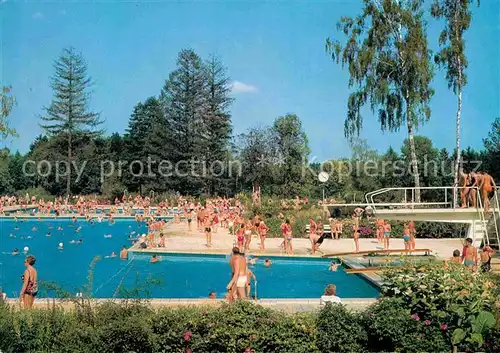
(375, 251)
(438, 204)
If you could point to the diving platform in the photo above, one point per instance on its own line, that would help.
(438, 204)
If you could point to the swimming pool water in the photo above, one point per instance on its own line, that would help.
(180, 275)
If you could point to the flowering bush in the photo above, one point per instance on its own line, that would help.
(461, 303)
(392, 327)
(389, 325)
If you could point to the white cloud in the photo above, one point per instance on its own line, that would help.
(240, 87)
(37, 16)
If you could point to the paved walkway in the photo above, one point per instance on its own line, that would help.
(180, 240)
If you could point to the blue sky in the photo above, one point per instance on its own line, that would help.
(274, 50)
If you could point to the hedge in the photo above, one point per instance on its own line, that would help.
(243, 327)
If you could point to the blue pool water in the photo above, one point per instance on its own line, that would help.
(180, 276)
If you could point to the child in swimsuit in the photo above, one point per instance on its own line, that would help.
(406, 236)
(387, 234)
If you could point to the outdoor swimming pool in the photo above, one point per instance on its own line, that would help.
(181, 275)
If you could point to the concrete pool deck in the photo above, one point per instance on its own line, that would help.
(286, 305)
(179, 240)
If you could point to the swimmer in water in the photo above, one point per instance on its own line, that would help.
(154, 259)
(268, 263)
(253, 260)
(16, 228)
(59, 228)
(107, 235)
(12, 235)
(15, 251)
(34, 229)
(61, 246)
(48, 234)
(80, 241)
(333, 266)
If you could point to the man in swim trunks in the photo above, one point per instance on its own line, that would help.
(189, 217)
(469, 254)
(240, 277)
(208, 230)
(487, 188)
(124, 253)
(406, 236)
(387, 234)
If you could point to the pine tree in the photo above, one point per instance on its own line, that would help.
(389, 65)
(155, 148)
(68, 114)
(183, 96)
(216, 116)
(145, 137)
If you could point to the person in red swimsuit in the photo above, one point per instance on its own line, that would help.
(240, 237)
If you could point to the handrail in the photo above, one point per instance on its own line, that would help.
(480, 211)
(497, 209)
(479, 205)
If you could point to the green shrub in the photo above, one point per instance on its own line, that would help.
(124, 328)
(339, 330)
(233, 328)
(391, 328)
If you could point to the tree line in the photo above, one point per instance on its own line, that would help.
(188, 123)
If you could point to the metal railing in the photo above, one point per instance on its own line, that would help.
(496, 210)
(438, 197)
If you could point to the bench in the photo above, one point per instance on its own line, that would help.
(326, 229)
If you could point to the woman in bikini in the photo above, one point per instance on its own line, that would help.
(313, 236)
(240, 237)
(248, 234)
(379, 224)
(263, 229)
(355, 236)
(29, 289)
(216, 221)
(287, 231)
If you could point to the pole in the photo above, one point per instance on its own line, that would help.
(323, 194)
